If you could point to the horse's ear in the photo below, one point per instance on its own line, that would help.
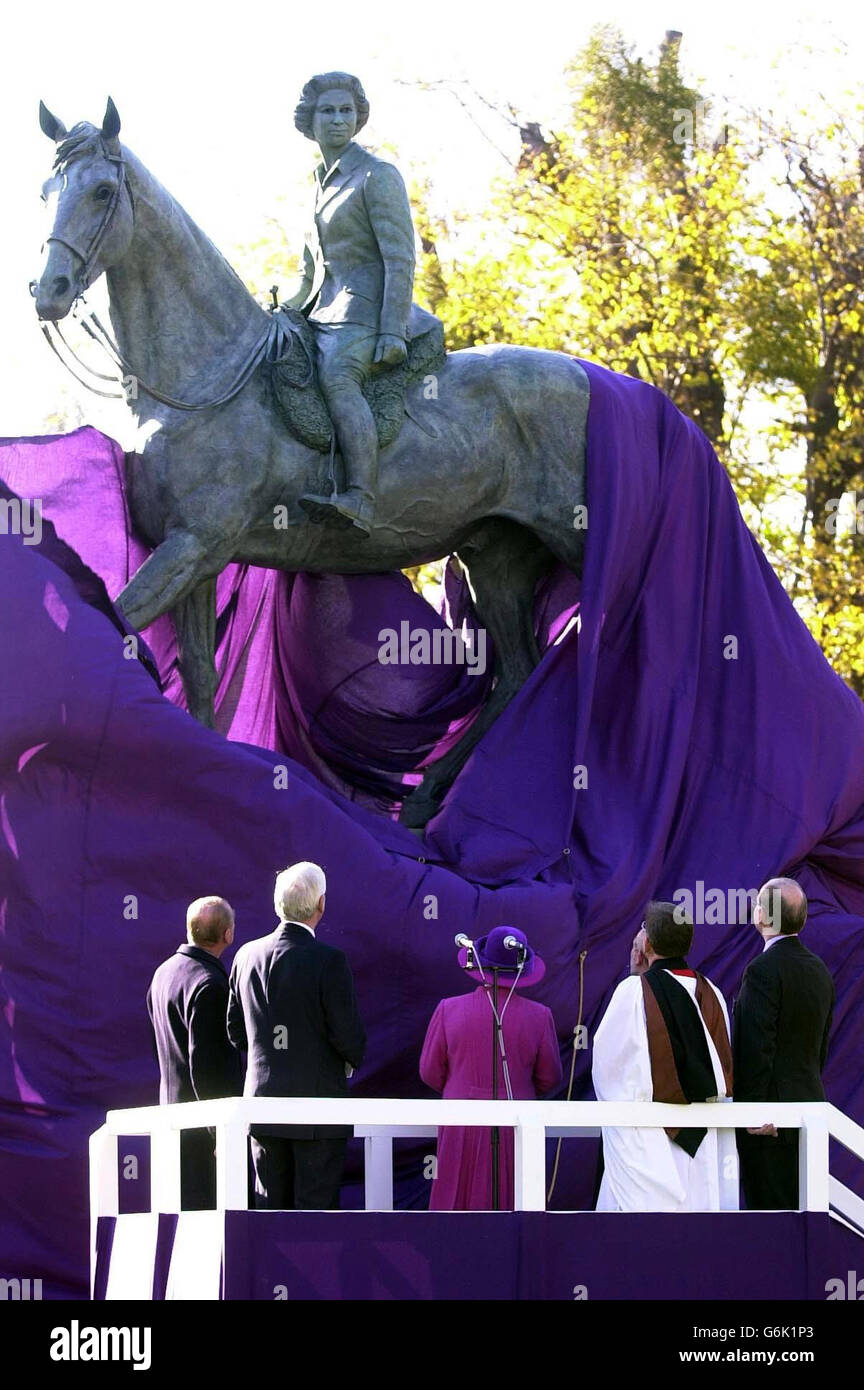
(54, 129)
(110, 122)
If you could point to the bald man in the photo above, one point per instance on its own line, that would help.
(188, 1004)
(780, 1030)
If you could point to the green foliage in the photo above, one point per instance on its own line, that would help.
(273, 259)
(622, 236)
(803, 328)
(634, 238)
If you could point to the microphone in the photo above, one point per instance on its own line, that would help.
(512, 944)
(463, 941)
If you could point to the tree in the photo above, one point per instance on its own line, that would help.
(622, 235)
(802, 302)
(633, 238)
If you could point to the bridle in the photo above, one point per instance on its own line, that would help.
(88, 257)
(100, 334)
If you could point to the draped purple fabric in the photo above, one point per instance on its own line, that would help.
(682, 728)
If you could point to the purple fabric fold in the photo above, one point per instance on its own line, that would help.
(116, 808)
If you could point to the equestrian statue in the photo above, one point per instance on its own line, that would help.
(329, 434)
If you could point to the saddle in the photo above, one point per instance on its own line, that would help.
(293, 380)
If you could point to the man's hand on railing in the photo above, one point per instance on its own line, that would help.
(770, 1130)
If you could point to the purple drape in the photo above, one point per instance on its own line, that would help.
(686, 729)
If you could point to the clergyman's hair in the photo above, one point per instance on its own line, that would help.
(207, 920)
(297, 890)
(784, 903)
(669, 933)
(329, 82)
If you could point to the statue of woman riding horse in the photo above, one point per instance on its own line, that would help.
(489, 467)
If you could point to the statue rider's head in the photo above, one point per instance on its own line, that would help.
(331, 110)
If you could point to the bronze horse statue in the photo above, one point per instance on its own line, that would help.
(490, 466)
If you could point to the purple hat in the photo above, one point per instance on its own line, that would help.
(493, 954)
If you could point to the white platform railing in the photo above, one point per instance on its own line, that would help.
(378, 1122)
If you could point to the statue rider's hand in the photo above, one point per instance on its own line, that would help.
(390, 350)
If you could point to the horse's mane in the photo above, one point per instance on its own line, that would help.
(83, 139)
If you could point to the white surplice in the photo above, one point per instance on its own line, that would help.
(643, 1169)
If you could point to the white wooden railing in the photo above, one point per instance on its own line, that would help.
(379, 1122)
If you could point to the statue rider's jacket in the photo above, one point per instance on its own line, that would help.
(358, 259)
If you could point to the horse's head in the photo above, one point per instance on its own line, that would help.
(90, 210)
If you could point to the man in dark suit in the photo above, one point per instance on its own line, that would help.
(291, 1007)
(187, 1002)
(780, 1030)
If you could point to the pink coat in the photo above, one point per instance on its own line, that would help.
(457, 1061)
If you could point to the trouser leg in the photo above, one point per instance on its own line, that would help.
(356, 433)
(786, 1182)
(273, 1164)
(318, 1168)
(344, 362)
(197, 1169)
(769, 1172)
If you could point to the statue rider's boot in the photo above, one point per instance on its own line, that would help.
(357, 436)
(351, 509)
(355, 507)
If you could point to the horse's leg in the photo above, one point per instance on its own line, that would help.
(504, 562)
(174, 569)
(195, 622)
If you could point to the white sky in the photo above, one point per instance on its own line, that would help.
(206, 96)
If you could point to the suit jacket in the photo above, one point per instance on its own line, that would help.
(358, 260)
(292, 1008)
(781, 1024)
(187, 1002)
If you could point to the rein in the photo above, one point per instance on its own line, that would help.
(100, 335)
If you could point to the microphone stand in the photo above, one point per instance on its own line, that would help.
(498, 1048)
(496, 1132)
(472, 962)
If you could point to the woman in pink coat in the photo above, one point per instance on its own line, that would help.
(457, 1061)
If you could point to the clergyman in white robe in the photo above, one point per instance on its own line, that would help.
(643, 1169)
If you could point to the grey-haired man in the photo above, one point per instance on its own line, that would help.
(292, 1009)
(780, 1030)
